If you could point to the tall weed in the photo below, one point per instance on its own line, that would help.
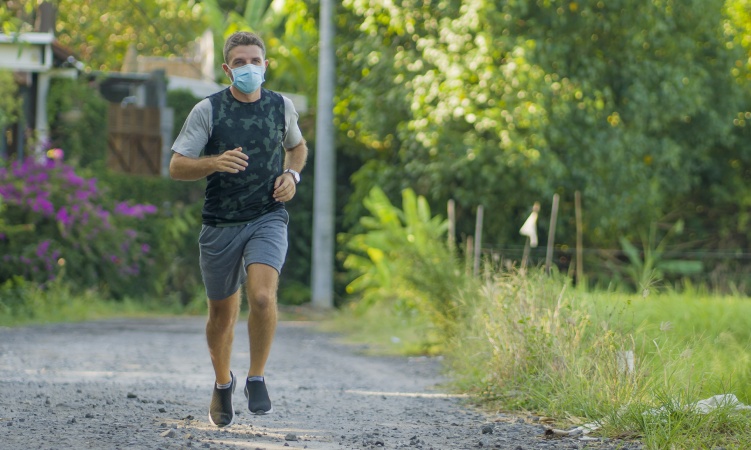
(535, 343)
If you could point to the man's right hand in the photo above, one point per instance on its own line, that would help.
(231, 161)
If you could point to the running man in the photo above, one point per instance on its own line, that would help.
(243, 130)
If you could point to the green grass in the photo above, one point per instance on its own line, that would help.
(713, 332)
(25, 304)
(535, 343)
(381, 331)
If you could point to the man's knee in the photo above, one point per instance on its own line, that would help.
(223, 314)
(221, 322)
(261, 301)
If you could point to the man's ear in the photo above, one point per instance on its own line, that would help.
(227, 72)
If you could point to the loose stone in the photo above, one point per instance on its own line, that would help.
(169, 433)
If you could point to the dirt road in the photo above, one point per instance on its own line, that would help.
(146, 384)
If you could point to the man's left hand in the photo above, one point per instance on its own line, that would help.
(285, 187)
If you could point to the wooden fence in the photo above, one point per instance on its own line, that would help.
(134, 141)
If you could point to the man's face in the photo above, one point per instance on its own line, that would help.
(242, 55)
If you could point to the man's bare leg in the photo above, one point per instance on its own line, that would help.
(220, 332)
(262, 284)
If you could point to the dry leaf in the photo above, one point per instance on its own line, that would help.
(575, 420)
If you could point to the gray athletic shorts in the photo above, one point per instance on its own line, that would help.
(226, 252)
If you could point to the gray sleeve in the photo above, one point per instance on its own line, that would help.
(292, 134)
(196, 131)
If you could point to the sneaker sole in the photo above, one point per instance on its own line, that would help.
(231, 422)
(232, 402)
(262, 413)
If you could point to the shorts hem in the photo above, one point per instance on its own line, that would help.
(224, 297)
(267, 263)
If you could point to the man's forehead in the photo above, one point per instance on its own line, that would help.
(246, 51)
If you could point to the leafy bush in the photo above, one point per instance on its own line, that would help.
(506, 103)
(75, 225)
(182, 102)
(78, 121)
(10, 103)
(402, 259)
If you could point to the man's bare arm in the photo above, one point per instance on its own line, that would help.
(295, 157)
(191, 169)
(285, 186)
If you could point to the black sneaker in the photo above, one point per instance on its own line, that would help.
(258, 397)
(222, 412)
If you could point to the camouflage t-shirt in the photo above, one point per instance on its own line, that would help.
(262, 129)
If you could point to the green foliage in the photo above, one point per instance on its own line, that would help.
(78, 121)
(172, 233)
(94, 233)
(182, 102)
(532, 342)
(100, 31)
(74, 223)
(654, 265)
(402, 259)
(503, 104)
(288, 28)
(10, 104)
(15, 17)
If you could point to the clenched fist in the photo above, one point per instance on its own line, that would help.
(231, 161)
(285, 187)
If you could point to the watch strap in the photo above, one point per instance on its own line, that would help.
(295, 175)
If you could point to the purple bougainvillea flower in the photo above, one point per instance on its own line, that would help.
(46, 206)
(145, 248)
(42, 248)
(62, 216)
(138, 211)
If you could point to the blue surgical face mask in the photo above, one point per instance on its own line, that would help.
(248, 78)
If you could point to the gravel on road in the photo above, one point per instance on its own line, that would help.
(147, 383)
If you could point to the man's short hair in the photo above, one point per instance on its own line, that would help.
(239, 38)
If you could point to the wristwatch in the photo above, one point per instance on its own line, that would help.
(295, 175)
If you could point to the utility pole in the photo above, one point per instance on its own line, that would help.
(322, 277)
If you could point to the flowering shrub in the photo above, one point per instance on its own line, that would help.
(72, 226)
